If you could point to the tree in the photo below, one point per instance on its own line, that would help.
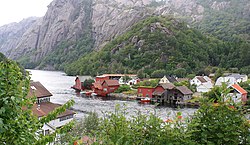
(17, 123)
(158, 73)
(88, 83)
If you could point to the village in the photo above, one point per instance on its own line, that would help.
(166, 90)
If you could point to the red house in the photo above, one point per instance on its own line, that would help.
(79, 83)
(105, 87)
(145, 92)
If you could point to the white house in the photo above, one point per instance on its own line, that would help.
(238, 94)
(43, 107)
(203, 83)
(239, 78)
(133, 80)
(227, 80)
(168, 79)
(204, 87)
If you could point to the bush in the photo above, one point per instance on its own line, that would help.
(123, 88)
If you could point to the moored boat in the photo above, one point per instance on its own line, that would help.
(145, 100)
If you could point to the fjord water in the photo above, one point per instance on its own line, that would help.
(59, 84)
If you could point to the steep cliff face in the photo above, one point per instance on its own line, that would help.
(10, 34)
(68, 24)
(112, 17)
(64, 21)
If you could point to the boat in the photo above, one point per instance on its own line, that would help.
(145, 100)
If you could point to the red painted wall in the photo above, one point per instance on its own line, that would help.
(78, 85)
(105, 90)
(145, 92)
(159, 89)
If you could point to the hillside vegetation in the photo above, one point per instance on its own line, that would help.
(226, 19)
(160, 43)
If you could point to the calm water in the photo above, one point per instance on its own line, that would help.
(60, 86)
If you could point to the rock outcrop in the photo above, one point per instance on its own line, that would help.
(70, 20)
(10, 34)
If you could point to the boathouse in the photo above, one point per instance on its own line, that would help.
(105, 87)
(145, 91)
(78, 86)
(162, 92)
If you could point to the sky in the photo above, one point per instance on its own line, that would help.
(16, 10)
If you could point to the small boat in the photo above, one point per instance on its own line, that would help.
(145, 100)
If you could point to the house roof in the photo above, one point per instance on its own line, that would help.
(112, 82)
(98, 85)
(182, 79)
(236, 76)
(239, 89)
(37, 89)
(207, 85)
(184, 90)
(171, 79)
(168, 86)
(158, 93)
(200, 78)
(46, 107)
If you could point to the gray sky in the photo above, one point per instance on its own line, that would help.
(16, 10)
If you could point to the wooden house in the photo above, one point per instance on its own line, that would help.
(162, 91)
(105, 87)
(238, 94)
(145, 91)
(78, 86)
(43, 107)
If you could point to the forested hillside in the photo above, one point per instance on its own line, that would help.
(226, 19)
(162, 44)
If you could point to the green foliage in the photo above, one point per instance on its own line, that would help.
(147, 83)
(123, 88)
(158, 73)
(17, 123)
(220, 123)
(162, 43)
(213, 123)
(81, 128)
(88, 83)
(2, 57)
(216, 93)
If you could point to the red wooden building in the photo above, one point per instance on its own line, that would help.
(79, 83)
(102, 88)
(145, 92)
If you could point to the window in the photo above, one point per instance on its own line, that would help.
(105, 89)
(41, 100)
(65, 117)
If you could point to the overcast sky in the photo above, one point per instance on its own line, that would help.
(16, 10)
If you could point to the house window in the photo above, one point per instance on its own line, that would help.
(41, 100)
(140, 90)
(65, 117)
(105, 89)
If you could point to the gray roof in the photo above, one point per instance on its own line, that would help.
(167, 86)
(171, 79)
(237, 76)
(184, 90)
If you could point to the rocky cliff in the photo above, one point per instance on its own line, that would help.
(69, 22)
(10, 34)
